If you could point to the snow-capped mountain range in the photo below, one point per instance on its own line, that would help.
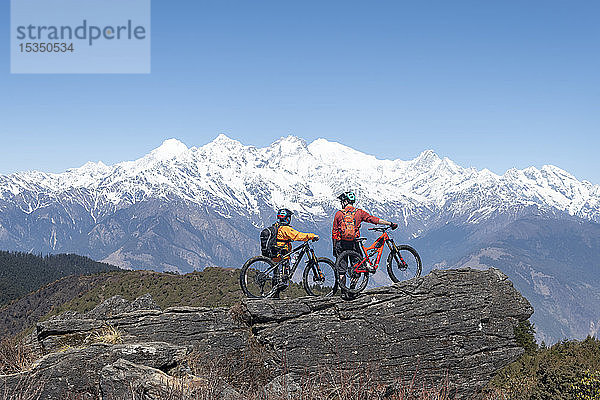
(304, 177)
(180, 208)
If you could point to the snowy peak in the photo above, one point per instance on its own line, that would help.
(226, 141)
(171, 148)
(427, 157)
(91, 166)
(344, 157)
(306, 177)
(288, 146)
(85, 176)
(222, 146)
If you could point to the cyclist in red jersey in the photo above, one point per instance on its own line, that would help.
(346, 226)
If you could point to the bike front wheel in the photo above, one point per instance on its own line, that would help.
(258, 277)
(404, 264)
(320, 279)
(346, 265)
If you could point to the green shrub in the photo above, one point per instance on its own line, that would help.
(587, 387)
(525, 337)
(565, 371)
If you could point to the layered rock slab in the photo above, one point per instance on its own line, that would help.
(456, 324)
(100, 371)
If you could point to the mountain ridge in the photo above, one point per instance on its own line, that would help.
(173, 169)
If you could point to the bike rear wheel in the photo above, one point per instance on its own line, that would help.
(316, 284)
(349, 280)
(404, 264)
(258, 277)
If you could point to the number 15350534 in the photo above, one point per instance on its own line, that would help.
(46, 47)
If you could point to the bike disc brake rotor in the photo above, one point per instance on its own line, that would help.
(400, 263)
(318, 276)
(260, 279)
(354, 277)
(403, 266)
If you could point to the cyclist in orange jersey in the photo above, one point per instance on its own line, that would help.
(285, 236)
(346, 227)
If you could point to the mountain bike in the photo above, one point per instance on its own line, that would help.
(261, 277)
(403, 263)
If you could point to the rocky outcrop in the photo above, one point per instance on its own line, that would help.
(118, 305)
(456, 324)
(102, 371)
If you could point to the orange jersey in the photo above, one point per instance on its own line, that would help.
(359, 217)
(286, 235)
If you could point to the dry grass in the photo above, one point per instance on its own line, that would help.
(243, 375)
(24, 389)
(239, 313)
(247, 371)
(107, 334)
(248, 374)
(15, 356)
(317, 387)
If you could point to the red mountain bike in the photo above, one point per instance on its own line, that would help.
(403, 263)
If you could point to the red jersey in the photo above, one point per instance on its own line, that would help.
(359, 217)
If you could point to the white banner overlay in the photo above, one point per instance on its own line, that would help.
(80, 36)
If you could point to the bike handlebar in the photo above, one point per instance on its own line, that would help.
(380, 229)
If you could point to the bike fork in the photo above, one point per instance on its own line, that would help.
(397, 256)
(400, 260)
(318, 274)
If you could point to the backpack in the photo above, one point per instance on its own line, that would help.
(348, 225)
(268, 241)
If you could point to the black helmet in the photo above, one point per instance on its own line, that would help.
(284, 216)
(347, 197)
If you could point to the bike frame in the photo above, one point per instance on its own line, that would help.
(303, 249)
(373, 249)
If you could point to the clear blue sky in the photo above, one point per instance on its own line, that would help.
(490, 84)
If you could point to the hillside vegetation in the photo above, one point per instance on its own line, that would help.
(213, 287)
(569, 370)
(22, 273)
(24, 312)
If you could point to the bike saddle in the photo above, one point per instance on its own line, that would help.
(360, 239)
